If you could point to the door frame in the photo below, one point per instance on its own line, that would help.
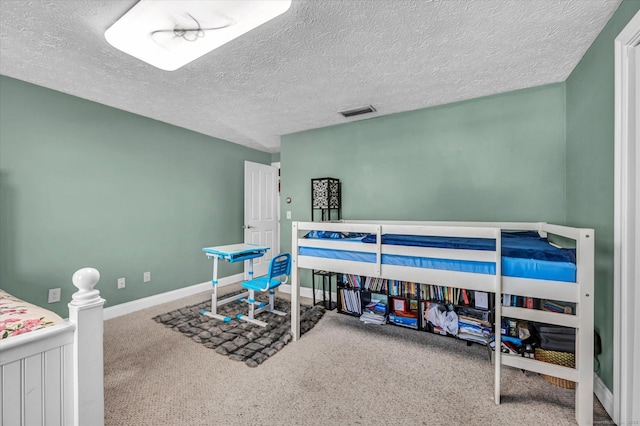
(277, 166)
(626, 220)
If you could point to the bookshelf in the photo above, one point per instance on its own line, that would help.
(418, 306)
(433, 308)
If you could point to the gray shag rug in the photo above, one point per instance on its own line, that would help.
(240, 340)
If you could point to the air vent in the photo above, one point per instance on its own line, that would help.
(358, 111)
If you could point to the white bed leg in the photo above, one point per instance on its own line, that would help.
(295, 283)
(85, 310)
(584, 333)
(498, 316)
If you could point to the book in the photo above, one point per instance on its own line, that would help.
(465, 297)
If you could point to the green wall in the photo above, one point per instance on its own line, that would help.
(82, 184)
(495, 158)
(590, 168)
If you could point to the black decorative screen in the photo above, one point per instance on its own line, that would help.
(325, 193)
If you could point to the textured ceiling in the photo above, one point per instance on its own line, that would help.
(296, 72)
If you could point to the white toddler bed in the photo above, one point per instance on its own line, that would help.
(51, 370)
(486, 267)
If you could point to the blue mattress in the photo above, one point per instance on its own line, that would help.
(524, 255)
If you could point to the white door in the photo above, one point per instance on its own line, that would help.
(260, 213)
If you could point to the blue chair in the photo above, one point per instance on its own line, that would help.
(279, 267)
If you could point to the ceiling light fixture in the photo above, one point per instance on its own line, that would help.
(171, 33)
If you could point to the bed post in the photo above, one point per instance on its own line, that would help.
(584, 334)
(497, 353)
(295, 283)
(85, 311)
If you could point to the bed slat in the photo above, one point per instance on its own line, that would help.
(32, 390)
(67, 390)
(12, 393)
(541, 316)
(541, 367)
(52, 386)
(541, 289)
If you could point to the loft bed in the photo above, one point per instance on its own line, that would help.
(475, 256)
(51, 369)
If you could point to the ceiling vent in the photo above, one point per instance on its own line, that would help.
(358, 111)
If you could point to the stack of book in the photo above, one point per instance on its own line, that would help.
(350, 300)
(474, 330)
(403, 288)
(520, 301)
(375, 284)
(375, 313)
(558, 307)
(408, 319)
(352, 281)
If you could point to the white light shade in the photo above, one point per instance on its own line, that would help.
(171, 33)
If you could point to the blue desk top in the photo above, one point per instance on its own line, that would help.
(236, 252)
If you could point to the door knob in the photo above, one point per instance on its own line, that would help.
(247, 227)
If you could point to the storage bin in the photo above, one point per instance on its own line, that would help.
(565, 359)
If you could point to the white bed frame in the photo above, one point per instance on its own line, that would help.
(580, 292)
(54, 376)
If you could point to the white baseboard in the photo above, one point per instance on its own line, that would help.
(169, 296)
(306, 292)
(603, 394)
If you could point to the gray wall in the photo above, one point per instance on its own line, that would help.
(590, 168)
(82, 184)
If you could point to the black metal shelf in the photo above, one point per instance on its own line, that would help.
(325, 200)
(326, 277)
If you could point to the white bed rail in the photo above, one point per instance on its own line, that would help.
(482, 282)
(54, 376)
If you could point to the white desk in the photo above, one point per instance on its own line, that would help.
(230, 253)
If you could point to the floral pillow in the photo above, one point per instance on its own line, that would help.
(19, 317)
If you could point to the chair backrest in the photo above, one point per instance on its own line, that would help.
(280, 266)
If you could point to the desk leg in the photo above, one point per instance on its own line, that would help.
(250, 269)
(214, 295)
(251, 299)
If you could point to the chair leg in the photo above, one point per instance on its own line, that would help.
(269, 307)
(251, 304)
(252, 311)
(272, 306)
(271, 302)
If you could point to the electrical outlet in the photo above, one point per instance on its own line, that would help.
(54, 295)
(288, 214)
(146, 277)
(121, 283)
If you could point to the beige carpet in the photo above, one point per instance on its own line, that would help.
(340, 372)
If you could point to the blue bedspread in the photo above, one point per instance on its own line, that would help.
(523, 245)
